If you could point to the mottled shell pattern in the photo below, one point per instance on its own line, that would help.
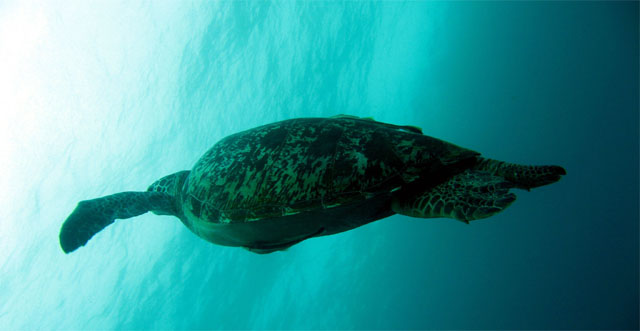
(305, 164)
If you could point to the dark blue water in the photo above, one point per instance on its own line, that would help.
(104, 97)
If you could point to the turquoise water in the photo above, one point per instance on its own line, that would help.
(103, 96)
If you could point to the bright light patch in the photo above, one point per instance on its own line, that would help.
(23, 26)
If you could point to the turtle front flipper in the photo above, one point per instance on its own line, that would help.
(467, 196)
(266, 248)
(91, 216)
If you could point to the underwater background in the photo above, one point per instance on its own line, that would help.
(99, 97)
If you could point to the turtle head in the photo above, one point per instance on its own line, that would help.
(172, 185)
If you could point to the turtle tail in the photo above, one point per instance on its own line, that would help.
(522, 176)
(91, 216)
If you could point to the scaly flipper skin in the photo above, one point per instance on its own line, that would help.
(91, 216)
(467, 196)
(522, 176)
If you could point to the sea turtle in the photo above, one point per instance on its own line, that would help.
(271, 187)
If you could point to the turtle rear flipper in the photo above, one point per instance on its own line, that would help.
(467, 196)
(522, 176)
(91, 216)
